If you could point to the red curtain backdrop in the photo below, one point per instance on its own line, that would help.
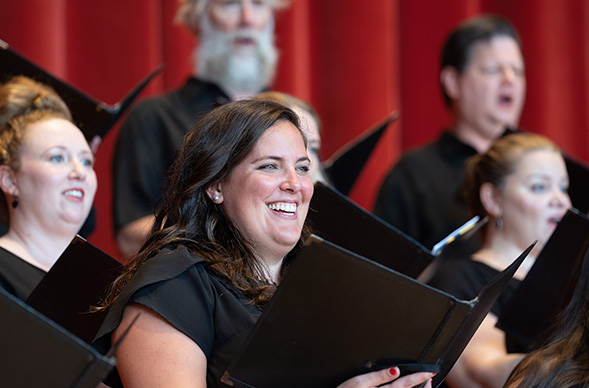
(354, 61)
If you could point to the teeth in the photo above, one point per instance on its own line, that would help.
(74, 193)
(284, 207)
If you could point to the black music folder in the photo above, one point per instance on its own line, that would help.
(93, 117)
(335, 218)
(549, 284)
(36, 352)
(346, 164)
(77, 281)
(336, 315)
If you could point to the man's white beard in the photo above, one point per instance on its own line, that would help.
(240, 72)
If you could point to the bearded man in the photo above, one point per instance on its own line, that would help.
(235, 58)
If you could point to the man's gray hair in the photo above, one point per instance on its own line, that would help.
(190, 11)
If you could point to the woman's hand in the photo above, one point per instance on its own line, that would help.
(376, 379)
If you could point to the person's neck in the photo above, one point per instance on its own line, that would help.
(272, 265)
(499, 252)
(474, 137)
(274, 272)
(36, 247)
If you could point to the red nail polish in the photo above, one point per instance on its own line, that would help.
(393, 371)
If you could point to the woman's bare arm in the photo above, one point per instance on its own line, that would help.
(485, 362)
(155, 354)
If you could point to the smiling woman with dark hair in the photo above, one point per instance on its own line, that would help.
(230, 223)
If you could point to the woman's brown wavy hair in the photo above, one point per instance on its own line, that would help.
(187, 216)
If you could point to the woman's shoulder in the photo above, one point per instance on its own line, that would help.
(167, 264)
(170, 265)
(18, 276)
(463, 278)
(165, 267)
(465, 266)
(177, 285)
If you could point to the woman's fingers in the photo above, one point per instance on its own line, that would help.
(390, 376)
(412, 380)
(372, 379)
